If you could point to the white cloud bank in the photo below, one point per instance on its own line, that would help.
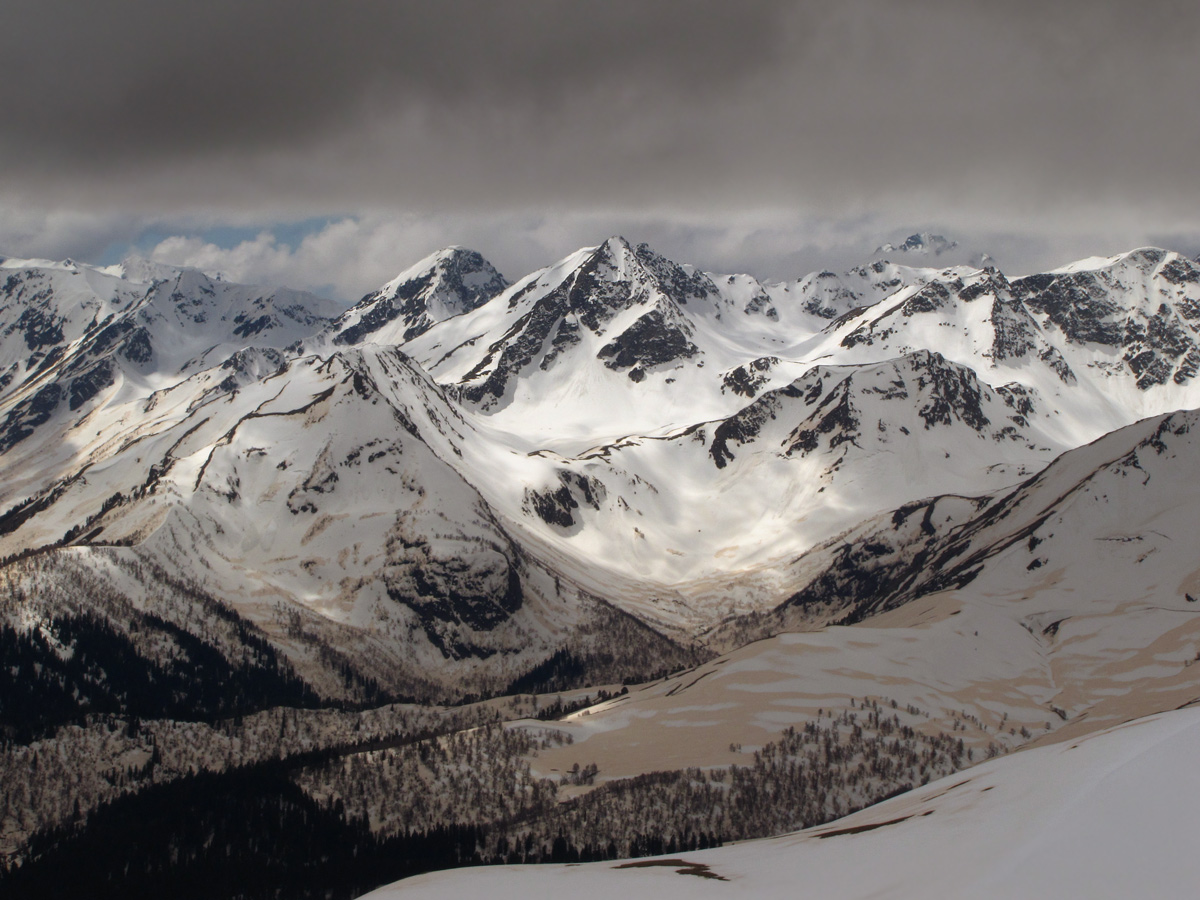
(351, 256)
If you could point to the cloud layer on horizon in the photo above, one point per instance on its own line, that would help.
(348, 257)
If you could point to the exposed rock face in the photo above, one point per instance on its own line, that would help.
(449, 283)
(830, 405)
(594, 301)
(1146, 305)
(748, 379)
(648, 342)
(557, 507)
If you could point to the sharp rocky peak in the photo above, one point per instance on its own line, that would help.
(621, 303)
(445, 284)
(614, 248)
(620, 261)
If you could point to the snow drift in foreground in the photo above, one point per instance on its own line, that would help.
(1114, 814)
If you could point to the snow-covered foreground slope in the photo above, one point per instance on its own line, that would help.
(1113, 814)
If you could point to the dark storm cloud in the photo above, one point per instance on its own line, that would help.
(1018, 109)
(134, 79)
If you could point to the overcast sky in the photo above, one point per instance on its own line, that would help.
(331, 144)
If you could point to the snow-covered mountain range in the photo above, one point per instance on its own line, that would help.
(966, 493)
(463, 473)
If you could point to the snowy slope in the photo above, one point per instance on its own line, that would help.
(80, 344)
(48, 307)
(1139, 308)
(939, 487)
(1111, 815)
(1108, 341)
(558, 349)
(314, 484)
(192, 321)
(710, 515)
(1068, 604)
(645, 502)
(323, 489)
(617, 340)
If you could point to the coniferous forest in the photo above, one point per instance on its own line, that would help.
(164, 748)
(317, 804)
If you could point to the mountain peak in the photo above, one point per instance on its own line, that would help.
(1146, 257)
(457, 266)
(141, 270)
(924, 248)
(616, 244)
(452, 281)
(613, 251)
(639, 266)
(923, 243)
